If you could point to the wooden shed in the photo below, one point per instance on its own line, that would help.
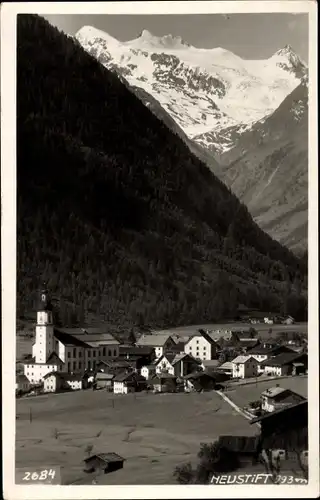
(103, 462)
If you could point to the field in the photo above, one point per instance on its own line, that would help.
(154, 433)
(244, 394)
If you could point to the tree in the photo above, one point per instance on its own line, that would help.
(213, 459)
(184, 474)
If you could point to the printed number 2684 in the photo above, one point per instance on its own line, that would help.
(39, 476)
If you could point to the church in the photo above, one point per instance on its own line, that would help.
(69, 350)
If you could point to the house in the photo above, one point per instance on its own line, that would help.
(124, 383)
(285, 364)
(268, 321)
(22, 383)
(141, 355)
(160, 342)
(104, 380)
(226, 368)
(245, 448)
(244, 367)
(286, 430)
(289, 320)
(275, 398)
(104, 462)
(266, 351)
(163, 382)
(210, 364)
(65, 349)
(245, 344)
(199, 381)
(148, 371)
(176, 364)
(201, 346)
(57, 381)
(116, 366)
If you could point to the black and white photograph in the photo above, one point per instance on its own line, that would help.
(159, 212)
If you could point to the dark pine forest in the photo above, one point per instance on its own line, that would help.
(117, 215)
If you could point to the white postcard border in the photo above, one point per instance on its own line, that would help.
(8, 262)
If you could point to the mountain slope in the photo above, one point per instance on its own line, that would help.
(268, 170)
(125, 224)
(212, 94)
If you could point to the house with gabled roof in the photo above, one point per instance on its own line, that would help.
(263, 351)
(55, 381)
(285, 429)
(22, 383)
(124, 383)
(244, 367)
(148, 371)
(201, 346)
(163, 382)
(290, 363)
(275, 398)
(161, 342)
(177, 364)
(199, 381)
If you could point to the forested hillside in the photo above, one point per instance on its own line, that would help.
(116, 214)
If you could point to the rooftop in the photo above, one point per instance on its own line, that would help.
(104, 376)
(301, 407)
(155, 340)
(273, 392)
(241, 359)
(21, 378)
(66, 376)
(68, 339)
(226, 366)
(210, 363)
(106, 457)
(260, 349)
(135, 350)
(283, 359)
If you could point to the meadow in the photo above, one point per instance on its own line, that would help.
(154, 433)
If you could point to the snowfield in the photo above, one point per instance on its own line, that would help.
(206, 91)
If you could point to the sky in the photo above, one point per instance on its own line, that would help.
(250, 36)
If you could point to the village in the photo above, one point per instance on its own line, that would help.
(251, 371)
(80, 358)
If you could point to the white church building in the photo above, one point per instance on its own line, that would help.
(70, 350)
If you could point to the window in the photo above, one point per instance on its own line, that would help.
(69, 354)
(109, 352)
(115, 352)
(74, 365)
(104, 351)
(69, 367)
(197, 341)
(74, 352)
(80, 354)
(94, 353)
(80, 365)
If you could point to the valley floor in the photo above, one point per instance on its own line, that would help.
(154, 433)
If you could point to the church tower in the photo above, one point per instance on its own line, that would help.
(44, 344)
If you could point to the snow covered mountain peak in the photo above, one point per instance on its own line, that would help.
(287, 59)
(88, 34)
(147, 40)
(211, 93)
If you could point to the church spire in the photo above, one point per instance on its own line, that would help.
(44, 299)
